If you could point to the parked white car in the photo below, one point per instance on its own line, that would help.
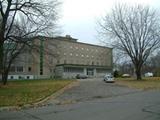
(148, 74)
(126, 75)
(109, 78)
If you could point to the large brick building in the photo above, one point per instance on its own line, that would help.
(62, 57)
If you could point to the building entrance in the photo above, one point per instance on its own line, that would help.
(90, 72)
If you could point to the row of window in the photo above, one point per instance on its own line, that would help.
(84, 55)
(81, 48)
(80, 62)
(73, 70)
(80, 55)
(20, 77)
(19, 69)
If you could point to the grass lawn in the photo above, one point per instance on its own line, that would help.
(18, 93)
(144, 84)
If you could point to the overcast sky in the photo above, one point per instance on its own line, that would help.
(79, 16)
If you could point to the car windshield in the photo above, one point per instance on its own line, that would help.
(109, 76)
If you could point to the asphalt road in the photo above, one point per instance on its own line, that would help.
(138, 105)
(90, 89)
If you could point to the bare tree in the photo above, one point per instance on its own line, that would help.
(135, 31)
(20, 20)
(153, 64)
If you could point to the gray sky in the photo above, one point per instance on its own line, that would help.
(79, 16)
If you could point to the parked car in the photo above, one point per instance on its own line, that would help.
(126, 75)
(108, 78)
(148, 74)
(81, 76)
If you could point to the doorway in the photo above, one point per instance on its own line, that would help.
(90, 72)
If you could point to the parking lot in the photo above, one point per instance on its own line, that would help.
(93, 88)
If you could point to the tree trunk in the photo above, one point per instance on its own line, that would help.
(1, 60)
(138, 73)
(4, 78)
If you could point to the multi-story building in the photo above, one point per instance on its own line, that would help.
(62, 57)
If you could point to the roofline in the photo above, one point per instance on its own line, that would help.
(83, 43)
(72, 41)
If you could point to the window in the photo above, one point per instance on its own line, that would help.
(20, 69)
(65, 61)
(90, 72)
(73, 70)
(58, 61)
(29, 69)
(41, 71)
(19, 77)
(12, 77)
(28, 77)
(12, 69)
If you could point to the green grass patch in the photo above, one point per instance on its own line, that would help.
(144, 84)
(19, 93)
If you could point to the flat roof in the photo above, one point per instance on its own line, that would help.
(72, 40)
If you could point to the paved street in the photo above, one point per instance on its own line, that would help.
(123, 104)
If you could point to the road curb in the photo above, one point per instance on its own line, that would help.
(43, 101)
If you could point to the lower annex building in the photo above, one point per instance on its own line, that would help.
(63, 57)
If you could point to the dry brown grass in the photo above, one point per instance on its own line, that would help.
(18, 93)
(144, 84)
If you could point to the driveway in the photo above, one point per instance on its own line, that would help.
(95, 100)
(90, 89)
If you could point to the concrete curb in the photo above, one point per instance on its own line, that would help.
(43, 101)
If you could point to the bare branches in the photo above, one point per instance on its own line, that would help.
(37, 13)
(135, 29)
(21, 20)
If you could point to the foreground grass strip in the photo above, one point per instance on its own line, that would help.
(19, 93)
(144, 84)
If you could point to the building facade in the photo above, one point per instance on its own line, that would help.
(63, 57)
